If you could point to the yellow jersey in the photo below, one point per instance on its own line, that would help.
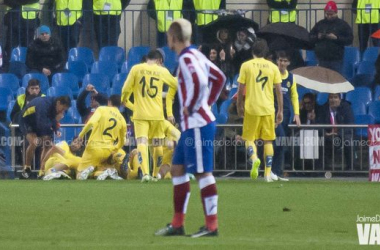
(259, 76)
(145, 81)
(108, 128)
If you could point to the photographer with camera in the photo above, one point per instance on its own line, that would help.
(329, 36)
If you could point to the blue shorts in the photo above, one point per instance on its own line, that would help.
(195, 149)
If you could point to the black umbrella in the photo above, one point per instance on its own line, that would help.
(230, 22)
(295, 35)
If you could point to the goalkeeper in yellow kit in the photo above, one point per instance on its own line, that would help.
(145, 82)
(106, 139)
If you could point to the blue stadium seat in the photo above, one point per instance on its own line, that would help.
(302, 91)
(112, 54)
(374, 110)
(171, 60)
(118, 80)
(365, 74)
(359, 95)
(363, 119)
(105, 67)
(68, 133)
(78, 68)
(100, 82)
(311, 59)
(135, 54)
(18, 54)
(376, 95)
(60, 91)
(322, 98)
(233, 91)
(359, 109)
(370, 54)
(10, 81)
(124, 68)
(114, 91)
(6, 96)
(9, 111)
(73, 112)
(20, 91)
(82, 54)
(350, 60)
(235, 83)
(67, 80)
(44, 81)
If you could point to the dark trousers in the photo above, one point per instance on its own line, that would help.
(69, 35)
(107, 29)
(161, 39)
(333, 65)
(279, 149)
(364, 33)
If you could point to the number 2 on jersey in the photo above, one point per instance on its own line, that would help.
(260, 79)
(150, 87)
(114, 123)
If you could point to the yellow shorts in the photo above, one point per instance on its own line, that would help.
(149, 129)
(258, 127)
(96, 157)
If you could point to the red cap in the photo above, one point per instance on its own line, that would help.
(331, 6)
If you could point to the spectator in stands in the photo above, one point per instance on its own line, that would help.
(283, 11)
(308, 109)
(203, 19)
(337, 111)
(21, 21)
(226, 51)
(97, 99)
(164, 12)
(368, 20)
(38, 123)
(45, 54)
(68, 15)
(329, 36)
(245, 37)
(106, 19)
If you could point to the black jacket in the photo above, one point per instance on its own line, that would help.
(331, 50)
(282, 5)
(83, 110)
(48, 55)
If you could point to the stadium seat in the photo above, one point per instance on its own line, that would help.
(67, 80)
(20, 91)
(100, 82)
(112, 54)
(9, 111)
(322, 98)
(78, 68)
(350, 60)
(105, 67)
(359, 109)
(18, 54)
(233, 91)
(365, 74)
(10, 81)
(114, 91)
(119, 80)
(171, 60)
(374, 110)
(6, 96)
(82, 54)
(376, 95)
(370, 54)
(302, 91)
(60, 91)
(44, 81)
(73, 112)
(124, 68)
(311, 59)
(359, 95)
(135, 54)
(366, 120)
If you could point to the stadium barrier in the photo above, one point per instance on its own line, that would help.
(305, 149)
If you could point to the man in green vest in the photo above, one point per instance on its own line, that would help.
(368, 20)
(204, 18)
(21, 21)
(68, 20)
(165, 11)
(106, 16)
(282, 11)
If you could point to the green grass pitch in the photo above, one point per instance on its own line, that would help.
(319, 214)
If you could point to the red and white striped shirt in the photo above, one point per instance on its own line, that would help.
(199, 85)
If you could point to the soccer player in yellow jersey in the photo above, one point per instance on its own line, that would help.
(145, 81)
(257, 79)
(60, 159)
(106, 139)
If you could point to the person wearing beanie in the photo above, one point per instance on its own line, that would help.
(45, 54)
(329, 37)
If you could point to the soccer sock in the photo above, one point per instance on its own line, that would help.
(133, 166)
(157, 159)
(181, 199)
(251, 150)
(209, 197)
(268, 154)
(143, 158)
